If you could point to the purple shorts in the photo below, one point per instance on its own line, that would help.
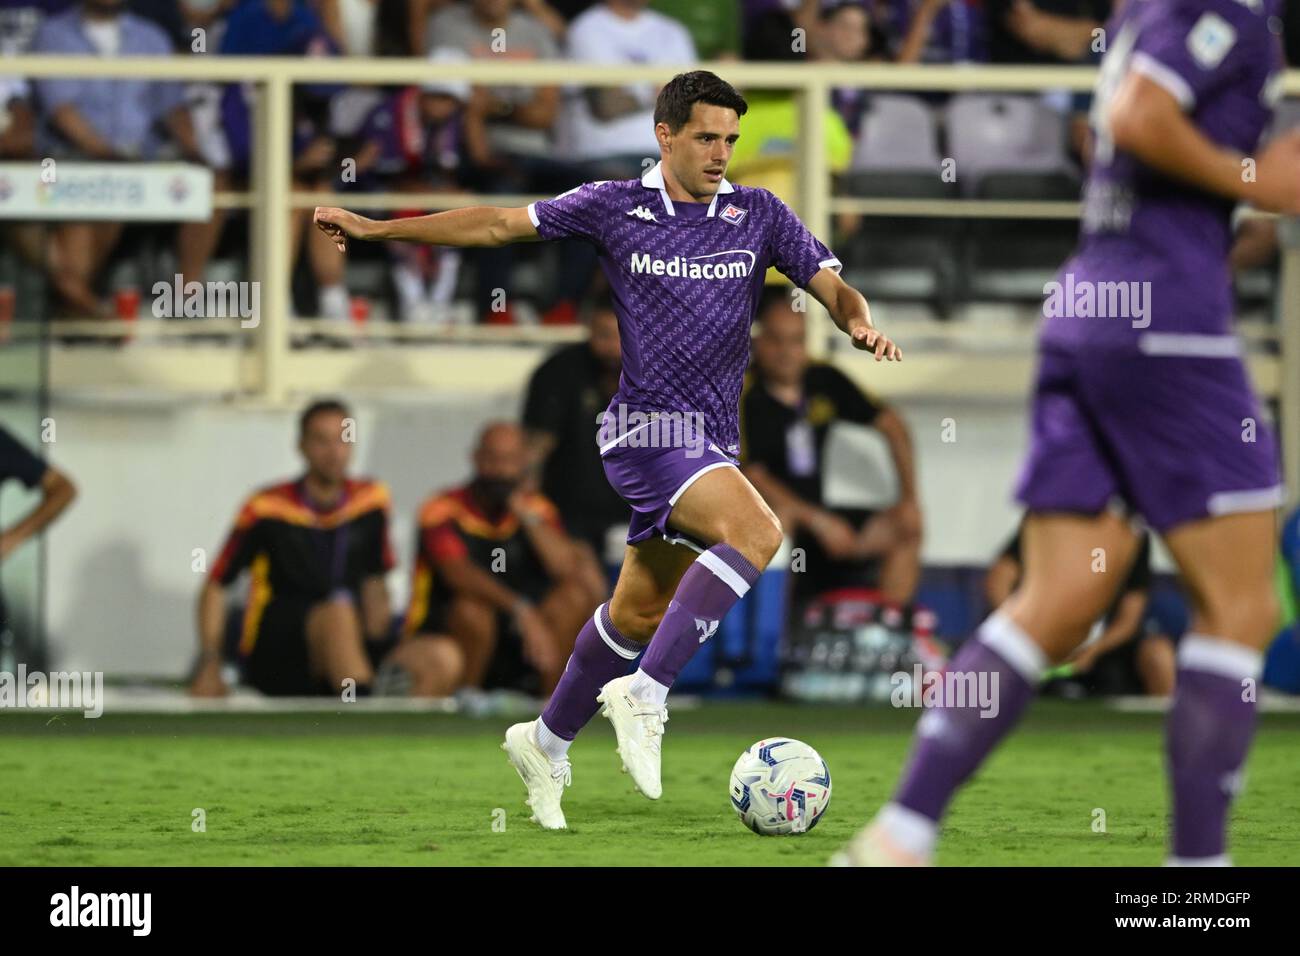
(1176, 437)
(651, 467)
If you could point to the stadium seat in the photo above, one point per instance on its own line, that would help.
(897, 157)
(898, 135)
(1009, 135)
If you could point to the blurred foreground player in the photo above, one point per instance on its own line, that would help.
(685, 253)
(1147, 405)
(318, 613)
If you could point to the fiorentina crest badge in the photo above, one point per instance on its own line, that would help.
(732, 214)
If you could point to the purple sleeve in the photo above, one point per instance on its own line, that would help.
(796, 252)
(1190, 49)
(576, 214)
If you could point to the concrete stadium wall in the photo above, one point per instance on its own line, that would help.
(159, 480)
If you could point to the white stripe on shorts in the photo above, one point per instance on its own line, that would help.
(1240, 502)
(1189, 345)
(695, 477)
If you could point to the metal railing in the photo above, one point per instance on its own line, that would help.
(271, 197)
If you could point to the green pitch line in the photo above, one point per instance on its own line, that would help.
(398, 789)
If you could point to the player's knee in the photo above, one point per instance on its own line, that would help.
(1243, 616)
(760, 540)
(636, 623)
(443, 662)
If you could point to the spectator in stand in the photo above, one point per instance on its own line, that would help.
(565, 398)
(1044, 31)
(495, 569)
(411, 142)
(318, 613)
(292, 28)
(607, 133)
(96, 119)
(714, 25)
(18, 142)
(935, 31)
(508, 138)
(787, 410)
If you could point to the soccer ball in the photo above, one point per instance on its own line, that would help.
(780, 786)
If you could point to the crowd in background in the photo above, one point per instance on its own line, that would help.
(449, 135)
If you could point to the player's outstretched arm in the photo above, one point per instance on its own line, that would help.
(471, 226)
(1147, 121)
(848, 309)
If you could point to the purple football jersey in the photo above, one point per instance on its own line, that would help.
(1151, 270)
(685, 279)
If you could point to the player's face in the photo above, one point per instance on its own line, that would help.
(605, 344)
(699, 152)
(780, 349)
(501, 456)
(323, 445)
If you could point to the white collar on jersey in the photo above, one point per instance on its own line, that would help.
(654, 179)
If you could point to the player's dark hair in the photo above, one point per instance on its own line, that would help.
(684, 90)
(319, 407)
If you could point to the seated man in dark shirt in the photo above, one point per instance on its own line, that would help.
(496, 570)
(57, 493)
(565, 398)
(787, 410)
(318, 612)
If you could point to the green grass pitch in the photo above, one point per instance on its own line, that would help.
(383, 789)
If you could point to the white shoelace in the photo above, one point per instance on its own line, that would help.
(655, 727)
(562, 771)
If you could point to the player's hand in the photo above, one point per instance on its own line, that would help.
(867, 339)
(340, 225)
(8, 544)
(1277, 176)
(207, 682)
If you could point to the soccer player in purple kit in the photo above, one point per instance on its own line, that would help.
(1145, 407)
(685, 253)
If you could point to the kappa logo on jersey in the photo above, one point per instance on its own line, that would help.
(706, 628)
(732, 214)
(641, 212)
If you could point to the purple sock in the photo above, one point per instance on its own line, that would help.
(600, 654)
(999, 667)
(709, 589)
(1208, 733)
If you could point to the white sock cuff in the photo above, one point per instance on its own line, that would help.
(1014, 646)
(555, 747)
(1213, 655)
(914, 832)
(646, 688)
(725, 572)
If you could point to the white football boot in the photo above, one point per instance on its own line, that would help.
(639, 727)
(873, 846)
(544, 777)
